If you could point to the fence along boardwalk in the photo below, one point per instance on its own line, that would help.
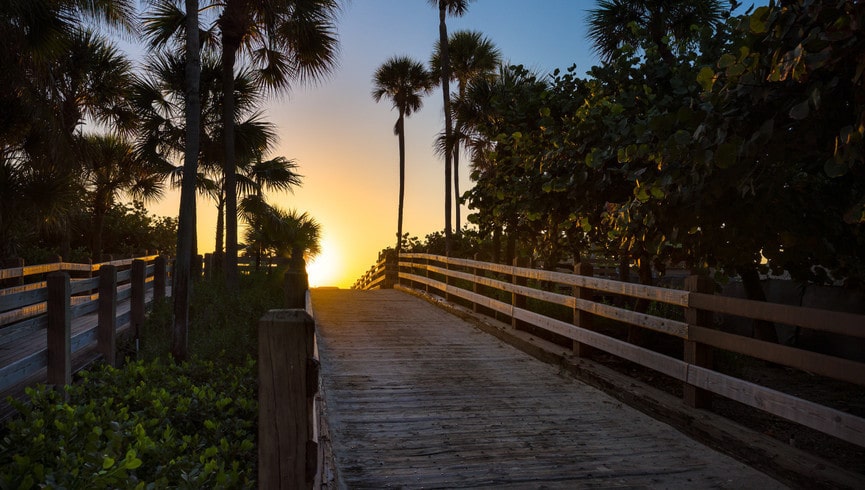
(419, 398)
(53, 326)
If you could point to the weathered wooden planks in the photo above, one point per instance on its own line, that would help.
(418, 398)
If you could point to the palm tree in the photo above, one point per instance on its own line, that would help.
(157, 98)
(479, 115)
(272, 231)
(186, 219)
(456, 8)
(471, 55)
(58, 74)
(254, 137)
(276, 174)
(286, 40)
(611, 24)
(111, 167)
(404, 81)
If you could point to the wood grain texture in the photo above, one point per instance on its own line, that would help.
(285, 344)
(419, 398)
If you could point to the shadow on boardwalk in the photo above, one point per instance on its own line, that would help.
(419, 398)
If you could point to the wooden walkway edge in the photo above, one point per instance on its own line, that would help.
(419, 398)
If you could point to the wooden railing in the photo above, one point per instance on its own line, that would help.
(504, 290)
(45, 300)
(291, 454)
(381, 275)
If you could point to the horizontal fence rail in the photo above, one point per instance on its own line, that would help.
(50, 312)
(503, 289)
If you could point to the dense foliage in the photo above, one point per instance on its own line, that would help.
(223, 326)
(154, 423)
(147, 425)
(739, 152)
(129, 230)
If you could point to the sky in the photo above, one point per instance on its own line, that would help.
(343, 141)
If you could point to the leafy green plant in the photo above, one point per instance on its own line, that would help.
(153, 423)
(223, 325)
(147, 425)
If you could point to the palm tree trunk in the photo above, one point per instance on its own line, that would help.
(230, 45)
(220, 224)
(457, 188)
(186, 216)
(446, 75)
(401, 137)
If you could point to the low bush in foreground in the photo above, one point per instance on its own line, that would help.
(147, 425)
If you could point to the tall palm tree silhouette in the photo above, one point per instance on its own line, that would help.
(404, 81)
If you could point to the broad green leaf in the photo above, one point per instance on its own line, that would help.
(735, 70)
(725, 155)
(108, 462)
(800, 111)
(758, 20)
(682, 137)
(726, 60)
(835, 167)
(816, 60)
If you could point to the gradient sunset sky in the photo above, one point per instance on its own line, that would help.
(344, 141)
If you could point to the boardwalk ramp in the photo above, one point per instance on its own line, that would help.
(418, 398)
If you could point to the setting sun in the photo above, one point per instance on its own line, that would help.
(326, 267)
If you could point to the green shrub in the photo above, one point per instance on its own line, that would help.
(222, 326)
(147, 425)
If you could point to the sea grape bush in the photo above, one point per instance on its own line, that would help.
(147, 425)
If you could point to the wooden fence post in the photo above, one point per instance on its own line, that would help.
(447, 280)
(391, 270)
(196, 266)
(59, 329)
(694, 352)
(426, 262)
(137, 300)
(476, 288)
(208, 266)
(288, 382)
(583, 319)
(106, 329)
(159, 270)
(295, 285)
(518, 300)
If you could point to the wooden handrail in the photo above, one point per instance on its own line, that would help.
(699, 336)
(25, 309)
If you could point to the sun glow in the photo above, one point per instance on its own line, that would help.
(324, 270)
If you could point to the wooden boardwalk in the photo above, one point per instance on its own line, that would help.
(417, 398)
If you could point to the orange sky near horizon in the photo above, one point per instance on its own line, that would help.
(344, 143)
